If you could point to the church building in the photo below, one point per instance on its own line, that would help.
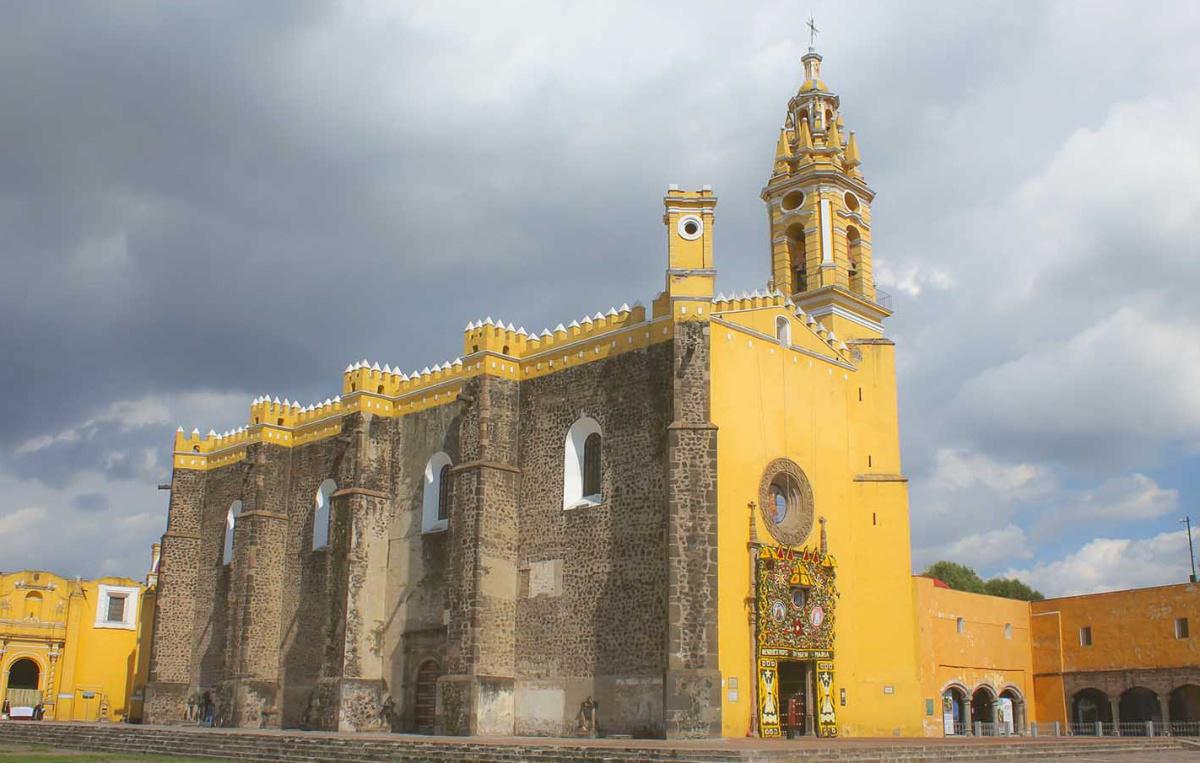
(678, 521)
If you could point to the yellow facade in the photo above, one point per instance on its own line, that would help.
(1134, 638)
(971, 645)
(79, 647)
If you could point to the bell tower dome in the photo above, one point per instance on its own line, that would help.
(819, 210)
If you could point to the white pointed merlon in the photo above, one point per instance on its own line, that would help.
(180, 428)
(624, 307)
(599, 316)
(612, 312)
(387, 368)
(574, 325)
(376, 367)
(510, 327)
(488, 321)
(458, 361)
(546, 333)
(587, 319)
(211, 433)
(559, 328)
(522, 331)
(349, 368)
(196, 431)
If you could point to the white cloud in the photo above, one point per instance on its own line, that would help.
(958, 468)
(1110, 564)
(1105, 396)
(16, 524)
(911, 277)
(1120, 499)
(980, 550)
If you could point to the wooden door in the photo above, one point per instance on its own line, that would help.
(426, 696)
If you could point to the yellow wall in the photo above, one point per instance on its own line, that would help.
(770, 401)
(979, 656)
(1131, 630)
(75, 655)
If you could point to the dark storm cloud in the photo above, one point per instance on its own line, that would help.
(204, 202)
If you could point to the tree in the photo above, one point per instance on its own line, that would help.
(960, 577)
(1011, 588)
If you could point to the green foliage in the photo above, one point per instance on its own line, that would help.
(960, 577)
(1011, 588)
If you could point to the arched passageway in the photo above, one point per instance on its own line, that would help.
(1089, 707)
(1013, 706)
(24, 676)
(955, 711)
(983, 706)
(1139, 705)
(1184, 704)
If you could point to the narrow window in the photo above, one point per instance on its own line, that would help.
(783, 331)
(961, 625)
(1008, 631)
(443, 513)
(873, 520)
(1085, 635)
(869, 462)
(1181, 627)
(231, 516)
(321, 514)
(116, 609)
(582, 464)
(435, 506)
(860, 394)
(591, 465)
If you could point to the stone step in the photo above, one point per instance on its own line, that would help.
(328, 748)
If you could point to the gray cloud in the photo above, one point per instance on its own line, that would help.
(203, 203)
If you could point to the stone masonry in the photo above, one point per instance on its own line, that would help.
(522, 609)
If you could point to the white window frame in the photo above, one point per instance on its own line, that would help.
(573, 447)
(323, 512)
(432, 494)
(131, 595)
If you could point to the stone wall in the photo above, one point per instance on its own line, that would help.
(526, 608)
(591, 614)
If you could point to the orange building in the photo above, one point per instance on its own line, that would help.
(974, 659)
(1124, 657)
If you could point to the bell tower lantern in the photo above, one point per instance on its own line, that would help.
(819, 210)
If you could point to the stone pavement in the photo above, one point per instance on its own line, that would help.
(324, 747)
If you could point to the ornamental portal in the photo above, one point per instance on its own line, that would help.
(796, 597)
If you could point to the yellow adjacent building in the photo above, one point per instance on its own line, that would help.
(78, 648)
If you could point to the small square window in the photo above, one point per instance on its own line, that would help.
(961, 624)
(116, 609)
(1008, 631)
(1181, 627)
(1085, 635)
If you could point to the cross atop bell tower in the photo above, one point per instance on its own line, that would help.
(818, 204)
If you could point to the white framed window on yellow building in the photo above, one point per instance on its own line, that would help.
(117, 607)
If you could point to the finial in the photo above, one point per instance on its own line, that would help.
(812, 34)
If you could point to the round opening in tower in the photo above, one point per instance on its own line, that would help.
(792, 200)
(851, 202)
(690, 227)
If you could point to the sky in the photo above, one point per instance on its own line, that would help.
(202, 203)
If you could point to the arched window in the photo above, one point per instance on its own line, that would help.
(443, 513)
(231, 516)
(33, 606)
(797, 258)
(783, 331)
(582, 464)
(591, 466)
(435, 515)
(855, 253)
(320, 537)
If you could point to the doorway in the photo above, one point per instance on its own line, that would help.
(23, 677)
(796, 698)
(425, 704)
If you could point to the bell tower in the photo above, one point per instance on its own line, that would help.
(819, 210)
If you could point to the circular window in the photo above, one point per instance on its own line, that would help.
(851, 202)
(786, 502)
(792, 200)
(691, 227)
